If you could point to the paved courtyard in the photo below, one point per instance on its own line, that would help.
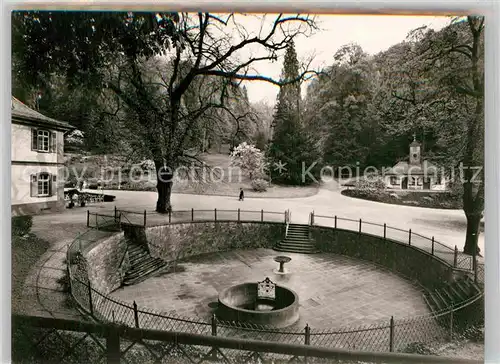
(44, 291)
(334, 291)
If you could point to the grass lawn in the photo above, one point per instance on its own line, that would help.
(26, 251)
(436, 200)
(217, 179)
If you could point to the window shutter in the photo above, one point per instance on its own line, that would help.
(34, 139)
(53, 185)
(53, 142)
(34, 186)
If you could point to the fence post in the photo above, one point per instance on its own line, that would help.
(474, 267)
(451, 324)
(335, 221)
(391, 335)
(385, 230)
(238, 215)
(215, 214)
(145, 218)
(88, 218)
(455, 257)
(307, 337)
(432, 248)
(116, 213)
(169, 216)
(96, 222)
(91, 306)
(409, 237)
(214, 325)
(312, 218)
(192, 214)
(79, 242)
(112, 345)
(360, 226)
(136, 315)
(261, 215)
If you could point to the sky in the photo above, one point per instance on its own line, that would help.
(374, 33)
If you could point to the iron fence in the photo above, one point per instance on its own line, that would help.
(387, 335)
(43, 339)
(428, 244)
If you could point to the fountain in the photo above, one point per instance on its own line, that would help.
(263, 303)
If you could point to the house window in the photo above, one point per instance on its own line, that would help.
(43, 185)
(394, 180)
(43, 141)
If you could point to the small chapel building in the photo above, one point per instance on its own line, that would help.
(414, 174)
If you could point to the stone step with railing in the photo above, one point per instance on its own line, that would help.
(297, 240)
(142, 264)
(450, 294)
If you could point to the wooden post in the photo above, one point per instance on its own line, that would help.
(409, 237)
(116, 213)
(455, 257)
(136, 315)
(91, 306)
(391, 335)
(432, 247)
(238, 215)
(112, 345)
(145, 214)
(360, 226)
(88, 218)
(192, 214)
(215, 214)
(96, 222)
(385, 230)
(261, 215)
(169, 216)
(335, 221)
(312, 218)
(474, 267)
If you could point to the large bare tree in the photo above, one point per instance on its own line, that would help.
(206, 51)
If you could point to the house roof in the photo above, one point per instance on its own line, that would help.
(23, 113)
(404, 168)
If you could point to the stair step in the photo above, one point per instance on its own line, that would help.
(449, 297)
(443, 300)
(130, 280)
(296, 242)
(459, 296)
(298, 251)
(463, 288)
(144, 264)
(146, 272)
(435, 302)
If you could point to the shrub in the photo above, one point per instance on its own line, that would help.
(370, 184)
(21, 225)
(260, 185)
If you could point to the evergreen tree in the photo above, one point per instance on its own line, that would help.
(292, 147)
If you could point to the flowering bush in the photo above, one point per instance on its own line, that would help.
(260, 185)
(249, 158)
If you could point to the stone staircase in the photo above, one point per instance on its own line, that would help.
(142, 264)
(451, 293)
(297, 240)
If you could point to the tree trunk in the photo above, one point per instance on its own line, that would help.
(471, 237)
(164, 180)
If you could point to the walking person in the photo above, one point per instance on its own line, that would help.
(242, 195)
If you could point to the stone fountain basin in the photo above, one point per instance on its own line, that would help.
(240, 303)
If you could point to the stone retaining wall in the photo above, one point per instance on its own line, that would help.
(403, 259)
(178, 241)
(107, 263)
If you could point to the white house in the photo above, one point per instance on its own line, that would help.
(415, 174)
(37, 169)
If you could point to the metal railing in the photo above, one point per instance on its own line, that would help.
(69, 341)
(429, 245)
(386, 335)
